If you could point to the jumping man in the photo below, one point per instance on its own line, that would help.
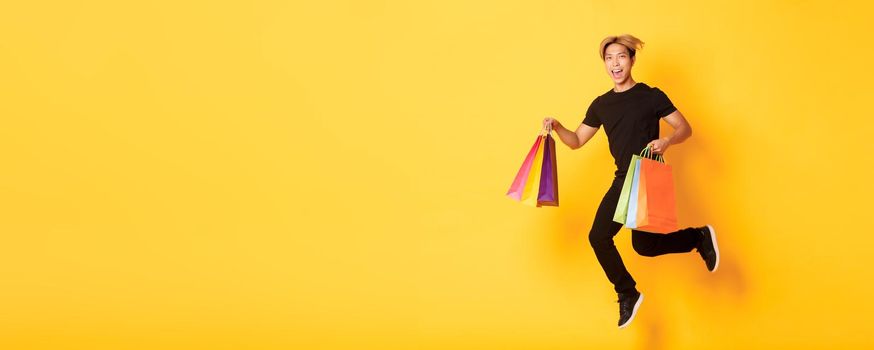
(630, 113)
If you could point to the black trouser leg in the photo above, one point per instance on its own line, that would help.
(655, 244)
(644, 243)
(601, 239)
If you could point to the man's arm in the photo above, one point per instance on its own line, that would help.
(576, 139)
(682, 131)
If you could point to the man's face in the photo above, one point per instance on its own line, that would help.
(618, 62)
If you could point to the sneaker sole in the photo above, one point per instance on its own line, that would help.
(633, 312)
(715, 247)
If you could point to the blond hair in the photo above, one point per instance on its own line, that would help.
(629, 41)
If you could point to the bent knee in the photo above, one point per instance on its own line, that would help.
(643, 249)
(600, 240)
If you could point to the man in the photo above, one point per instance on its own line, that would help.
(630, 114)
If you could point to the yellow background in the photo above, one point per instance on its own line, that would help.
(331, 175)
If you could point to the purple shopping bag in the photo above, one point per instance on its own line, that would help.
(548, 193)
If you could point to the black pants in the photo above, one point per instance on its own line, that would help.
(644, 243)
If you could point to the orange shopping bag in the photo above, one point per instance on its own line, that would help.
(657, 206)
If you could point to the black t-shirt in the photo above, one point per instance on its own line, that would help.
(630, 119)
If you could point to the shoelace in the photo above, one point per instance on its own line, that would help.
(620, 302)
(625, 309)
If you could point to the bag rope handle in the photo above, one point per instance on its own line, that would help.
(647, 153)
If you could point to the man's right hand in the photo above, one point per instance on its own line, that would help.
(550, 123)
(573, 139)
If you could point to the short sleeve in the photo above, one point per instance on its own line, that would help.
(662, 104)
(591, 118)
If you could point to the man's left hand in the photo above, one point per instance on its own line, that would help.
(659, 146)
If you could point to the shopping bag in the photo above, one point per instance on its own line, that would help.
(548, 193)
(641, 218)
(532, 184)
(518, 185)
(622, 207)
(660, 215)
(634, 194)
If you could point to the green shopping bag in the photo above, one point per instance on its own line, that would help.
(621, 213)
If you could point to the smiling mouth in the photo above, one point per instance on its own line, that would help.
(616, 72)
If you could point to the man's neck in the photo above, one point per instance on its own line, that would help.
(627, 84)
